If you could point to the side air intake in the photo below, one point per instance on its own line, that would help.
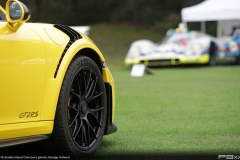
(73, 35)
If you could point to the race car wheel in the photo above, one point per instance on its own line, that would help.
(82, 107)
(238, 60)
(212, 57)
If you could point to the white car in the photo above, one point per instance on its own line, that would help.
(184, 47)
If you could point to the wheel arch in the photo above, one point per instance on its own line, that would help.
(54, 83)
(110, 127)
(88, 52)
(85, 48)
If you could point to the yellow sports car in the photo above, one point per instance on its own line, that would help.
(55, 85)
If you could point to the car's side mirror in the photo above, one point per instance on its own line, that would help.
(16, 14)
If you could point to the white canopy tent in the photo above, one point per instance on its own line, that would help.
(226, 12)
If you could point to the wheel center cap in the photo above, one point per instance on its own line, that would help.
(83, 108)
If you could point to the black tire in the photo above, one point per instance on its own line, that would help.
(212, 57)
(80, 118)
(238, 60)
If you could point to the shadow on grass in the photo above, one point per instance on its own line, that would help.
(107, 145)
(156, 156)
(27, 151)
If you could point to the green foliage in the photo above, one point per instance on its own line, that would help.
(149, 13)
(211, 28)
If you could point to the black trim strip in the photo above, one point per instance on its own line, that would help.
(21, 140)
(69, 31)
(73, 35)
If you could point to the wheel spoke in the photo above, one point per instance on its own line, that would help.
(74, 120)
(84, 74)
(72, 91)
(89, 79)
(84, 136)
(91, 129)
(96, 110)
(91, 89)
(74, 137)
(79, 87)
(75, 109)
(88, 133)
(96, 120)
(93, 97)
(75, 128)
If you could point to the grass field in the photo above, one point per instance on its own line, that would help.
(177, 110)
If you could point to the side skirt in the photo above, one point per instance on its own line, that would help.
(22, 140)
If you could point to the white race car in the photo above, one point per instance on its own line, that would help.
(183, 47)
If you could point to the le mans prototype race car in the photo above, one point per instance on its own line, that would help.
(185, 47)
(55, 85)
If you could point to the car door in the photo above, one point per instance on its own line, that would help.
(22, 75)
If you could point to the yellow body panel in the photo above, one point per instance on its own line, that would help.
(53, 85)
(203, 59)
(28, 85)
(23, 71)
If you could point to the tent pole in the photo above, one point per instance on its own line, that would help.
(219, 28)
(203, 27)
(185, 25)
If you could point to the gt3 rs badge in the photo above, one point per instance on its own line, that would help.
(28, 114)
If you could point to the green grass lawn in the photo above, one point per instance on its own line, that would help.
(178, 110)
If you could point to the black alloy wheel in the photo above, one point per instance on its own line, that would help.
(85, 111)
(81, 113)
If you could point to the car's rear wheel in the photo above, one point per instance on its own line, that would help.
(81, 112)
(238, 60)
(212, 57)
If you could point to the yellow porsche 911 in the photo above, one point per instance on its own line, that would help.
(54, 85)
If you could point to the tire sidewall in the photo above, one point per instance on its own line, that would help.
(238, 59)
(212, 56)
